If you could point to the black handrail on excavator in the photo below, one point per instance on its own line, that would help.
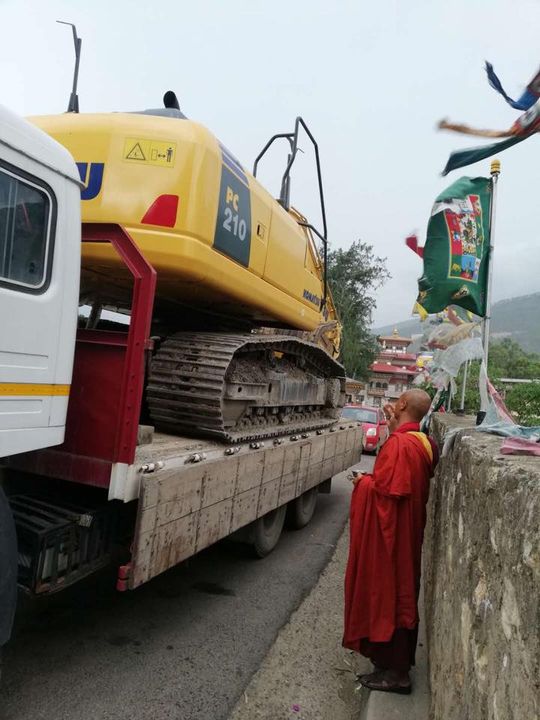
(285, 193)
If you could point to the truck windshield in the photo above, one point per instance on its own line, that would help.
(360, 415)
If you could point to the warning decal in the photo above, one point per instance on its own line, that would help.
(136, 153)
(150, 152)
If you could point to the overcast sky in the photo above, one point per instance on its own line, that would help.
(370, 78)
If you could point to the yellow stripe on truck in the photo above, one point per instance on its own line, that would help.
(39, 389)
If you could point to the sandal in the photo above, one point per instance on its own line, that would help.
(383, 685)
(373, 675)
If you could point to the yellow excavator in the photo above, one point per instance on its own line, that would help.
(246, 334)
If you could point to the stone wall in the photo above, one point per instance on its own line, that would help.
(482, 581)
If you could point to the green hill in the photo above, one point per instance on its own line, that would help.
(517, 318)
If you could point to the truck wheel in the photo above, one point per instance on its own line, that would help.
(267, 530)
(301, 510)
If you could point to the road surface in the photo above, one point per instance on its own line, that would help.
(183, 646)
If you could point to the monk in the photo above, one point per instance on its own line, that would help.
(388, 516)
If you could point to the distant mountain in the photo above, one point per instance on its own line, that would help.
(517, 318)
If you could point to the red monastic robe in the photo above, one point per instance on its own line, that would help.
(388, 516)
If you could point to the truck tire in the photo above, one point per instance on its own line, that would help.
(266, 531)
(8, 569)
(301, 510)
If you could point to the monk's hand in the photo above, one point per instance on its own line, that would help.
(355, 477)
(389, 414)
(388, 411)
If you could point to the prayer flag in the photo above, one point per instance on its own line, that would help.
(526, 100)
(419, 310)
(412, 243)
(462, 158)
(527, 124)
(456, 253)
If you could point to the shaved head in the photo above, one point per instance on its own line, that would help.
(412, 406)
(418, 403)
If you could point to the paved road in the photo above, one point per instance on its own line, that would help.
(183, 646)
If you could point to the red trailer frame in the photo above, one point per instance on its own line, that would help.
(108, 381)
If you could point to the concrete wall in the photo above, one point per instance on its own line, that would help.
(482, 582)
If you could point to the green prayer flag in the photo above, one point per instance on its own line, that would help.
(456, 253)
(461, 158)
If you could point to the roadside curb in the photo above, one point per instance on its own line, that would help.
(388, 706)
(307, 675)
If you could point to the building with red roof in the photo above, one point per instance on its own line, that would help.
(393, 371)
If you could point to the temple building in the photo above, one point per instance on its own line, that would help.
(392, 372)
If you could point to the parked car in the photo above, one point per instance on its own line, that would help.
(374, 425)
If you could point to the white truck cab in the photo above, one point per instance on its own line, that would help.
(40, 229)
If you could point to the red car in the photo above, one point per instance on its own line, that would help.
(374, 425)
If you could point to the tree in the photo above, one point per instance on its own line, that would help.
(506, 360)
(353, 275)
(524, 399)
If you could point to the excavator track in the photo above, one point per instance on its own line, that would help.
(243, 387)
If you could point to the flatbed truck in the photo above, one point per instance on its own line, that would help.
(82, 472)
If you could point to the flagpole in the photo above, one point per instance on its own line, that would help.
(495, 172)
(463, 387)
